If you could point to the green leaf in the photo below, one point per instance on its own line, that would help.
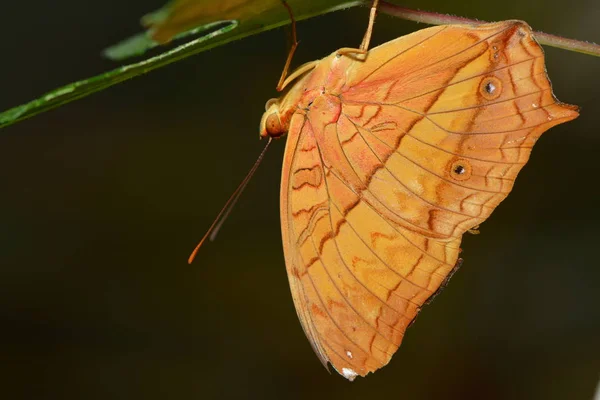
(230, 20)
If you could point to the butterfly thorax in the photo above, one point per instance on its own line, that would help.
(327, 79)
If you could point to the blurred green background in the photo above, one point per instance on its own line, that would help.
(102, 201)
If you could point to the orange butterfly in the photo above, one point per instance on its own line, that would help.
(392, 155)
(389, 160)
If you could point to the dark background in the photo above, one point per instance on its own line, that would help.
(103, 199)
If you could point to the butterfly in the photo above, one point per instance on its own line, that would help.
(392, 154)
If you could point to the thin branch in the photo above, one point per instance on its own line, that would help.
(432, 18)
(560, 42)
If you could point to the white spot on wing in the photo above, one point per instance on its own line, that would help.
(349, 374)
(416, 186)
(516, 140)
(349, 354)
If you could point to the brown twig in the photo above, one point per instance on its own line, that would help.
(432, 18)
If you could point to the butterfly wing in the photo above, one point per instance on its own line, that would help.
(357, 281)
(384, 173)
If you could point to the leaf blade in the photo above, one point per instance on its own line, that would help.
(229, 32)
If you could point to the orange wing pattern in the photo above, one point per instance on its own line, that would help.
(388, 162)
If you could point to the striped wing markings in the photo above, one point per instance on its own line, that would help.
(293, 264)
(331, 228)
(446, 246)
(487, 174)
(434, 31)
(395, 149)
(340, 215)
(506, 27)
(459, 210)
(413, 68)
(419, 67)
(341, 255)
(321, 335)
(334, 338)
(345, 296)
(362, 191)
(414, 288)
(462, 202)
(335, 232)
(483, 74)
(314, 248)
(397, 231)
(336, 345)
(460, 82)
(322, 276)
(523, 72)
(437, 89)
(308, 176)
(358, 195)
(399, 207)
(351, 318)
(378, 320)
(519, 137)
(378, 109)
(361, 180)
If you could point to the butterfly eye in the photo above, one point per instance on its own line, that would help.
(460, 170)
(273, 126)
(490, 88)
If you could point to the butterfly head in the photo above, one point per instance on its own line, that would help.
(270, 123)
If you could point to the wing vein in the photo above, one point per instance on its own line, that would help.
(438, 61)
(417, 164)
(424, 169)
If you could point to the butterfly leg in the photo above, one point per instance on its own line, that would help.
(367, 38)
(282, 81)
(364, 46)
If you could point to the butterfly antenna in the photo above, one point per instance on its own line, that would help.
(226, 210)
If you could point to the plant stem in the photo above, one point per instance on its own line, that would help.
(433, 18)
